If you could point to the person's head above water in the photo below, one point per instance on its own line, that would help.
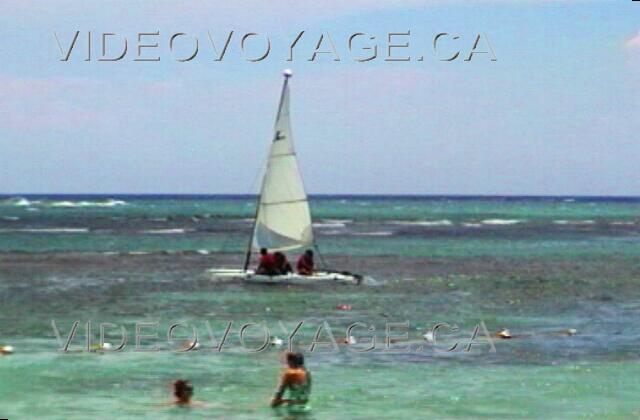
(183, 391)
(295, 360)
(308, 253)
(263, 251)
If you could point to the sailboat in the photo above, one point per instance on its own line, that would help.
(283, 220)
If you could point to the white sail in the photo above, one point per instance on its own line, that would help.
(283, 220)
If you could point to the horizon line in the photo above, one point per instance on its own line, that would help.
(321, 195)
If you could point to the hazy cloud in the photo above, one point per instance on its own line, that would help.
(633, 43)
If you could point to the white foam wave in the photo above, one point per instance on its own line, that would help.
(106, 203)
(165, 231)
(47, 230)
(573, 222)
(20, 202)
(443, 222)
(332, 232)
(10, 218)
(498, 222)
(330, 225)
(630, 223)
(23, 202)
(63, 204)
(473, 225)
(380, 233)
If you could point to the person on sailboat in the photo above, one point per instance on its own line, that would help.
(305, 263)
(282, 263)
(267, 263)
(296, 381)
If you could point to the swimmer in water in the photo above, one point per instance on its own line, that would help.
(296, 382)
(183, 391)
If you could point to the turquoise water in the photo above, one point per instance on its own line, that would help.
(438, 227)
(535, 266)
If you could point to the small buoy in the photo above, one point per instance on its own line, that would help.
(348, 340)
(504, 333)
(6, 350)
(103, 346)
(190, 345)
(275, 341)
(343, 307)
(567, 333)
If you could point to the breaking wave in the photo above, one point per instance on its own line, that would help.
(443, 222)
(329, 225)
(71, 204)
(47, 230)
(24, 202)
(574, 222)
(378, 233)
(18, 202)
(498, 222)
(177, 231)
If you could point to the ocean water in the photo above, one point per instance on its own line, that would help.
(562, 274)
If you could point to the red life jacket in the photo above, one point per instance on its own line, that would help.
(268, 262)
(305, 264)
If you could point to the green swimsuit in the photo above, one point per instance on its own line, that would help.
(300, 393)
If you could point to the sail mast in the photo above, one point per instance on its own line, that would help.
(287, 74)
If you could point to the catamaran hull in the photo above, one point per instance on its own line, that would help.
(251, 277)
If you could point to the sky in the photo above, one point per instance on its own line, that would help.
(557, 113)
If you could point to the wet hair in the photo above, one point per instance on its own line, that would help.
(182, 390)
(309, 253)
(263, 251)
(295, 360)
